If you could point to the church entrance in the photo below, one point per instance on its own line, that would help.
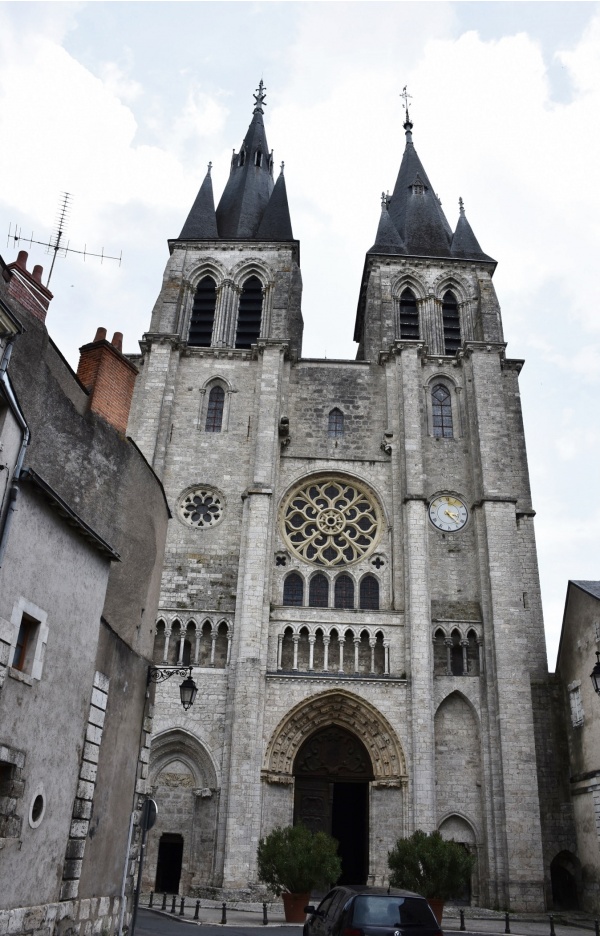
(168, 868)
(332, 771)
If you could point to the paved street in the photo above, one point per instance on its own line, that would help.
(150, 923)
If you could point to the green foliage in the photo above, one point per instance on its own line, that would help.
(297, 860)
(430, 865)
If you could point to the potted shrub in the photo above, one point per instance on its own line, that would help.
(294, 860)
(432, 866)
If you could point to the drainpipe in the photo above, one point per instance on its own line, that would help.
(14, 488)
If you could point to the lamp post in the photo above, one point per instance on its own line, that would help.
(595, 674)
(187, 690)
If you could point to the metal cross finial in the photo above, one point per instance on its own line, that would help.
(461, 206)
(259, 97)
(383, 200)
(406, 97)
(209, 167)
(282, 166)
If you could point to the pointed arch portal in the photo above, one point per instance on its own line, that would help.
(334, 746)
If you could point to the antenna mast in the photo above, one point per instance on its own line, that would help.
(56, 245)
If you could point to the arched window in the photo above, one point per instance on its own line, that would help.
(335, 429)
(293, 590)
(214, 412)
(369, 593)
(242, 158)
(203, 313)
(344, 592)
(451, 321)
(318, 593)
(457, 657)
(441, 412)
(249, 313)
(409, 316)
(258, 158)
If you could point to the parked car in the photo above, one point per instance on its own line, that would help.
(351, 910)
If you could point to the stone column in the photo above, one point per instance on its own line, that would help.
(356, 649)
(465, 645)
(372, 644)
(341, 641)
(279, 650)
(448, 642)
(295, 641)
(326, 641)
(166, 652)
(311, 652)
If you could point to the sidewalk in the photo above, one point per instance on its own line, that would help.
(477, 919)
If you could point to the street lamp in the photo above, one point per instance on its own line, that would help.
(595, 674)
(187, 690)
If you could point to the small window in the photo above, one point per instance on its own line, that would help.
(576, 706)
(214, 412)
(335, 429)
(451, 321)
(249, 313)
(441, 412)
(293, 590)
(24, 651)
(258, 158)
(203, 314)
(369, 593)
(409, 316)
(319, 591)
(242, 158)
(344, 592)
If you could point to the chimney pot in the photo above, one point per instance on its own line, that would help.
(37, 273)
(100, 334)
(117, 341)
(22, 259)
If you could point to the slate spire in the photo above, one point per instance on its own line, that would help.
(250, 182)
(276, 224)
(464, 242)
(415, 209)
(387, 239)
(201, 222)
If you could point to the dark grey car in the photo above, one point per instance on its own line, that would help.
(371, 911)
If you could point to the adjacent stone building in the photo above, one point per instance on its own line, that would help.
(351, 569)
(83, 521)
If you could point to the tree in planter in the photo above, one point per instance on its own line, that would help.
(430, 865)
(296, 860)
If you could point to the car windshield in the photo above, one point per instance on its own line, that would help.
(391, 911)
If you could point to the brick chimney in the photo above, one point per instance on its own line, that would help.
(109, 376)
(27, 289)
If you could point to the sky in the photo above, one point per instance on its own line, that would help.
(124, 104)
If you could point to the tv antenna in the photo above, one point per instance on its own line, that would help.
(56, 244)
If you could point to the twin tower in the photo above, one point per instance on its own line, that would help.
(351, 566)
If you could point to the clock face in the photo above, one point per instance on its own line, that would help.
(448, 513)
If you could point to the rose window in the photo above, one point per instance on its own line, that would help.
(201, 507)
(331, 522)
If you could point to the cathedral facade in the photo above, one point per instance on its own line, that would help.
(351, 566)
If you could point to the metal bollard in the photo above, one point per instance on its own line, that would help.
(552, 933)
(164, 903)
(197, 910)
(173, 902)
(182, 906)
(224, 914)
(506, 923)
(462, 920)
(597, 927)
(265, 917)
(151, 898)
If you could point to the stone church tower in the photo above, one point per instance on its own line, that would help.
(351, 566)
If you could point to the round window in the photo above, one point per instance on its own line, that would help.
(201, 507)
(331, 521)
(37, 808)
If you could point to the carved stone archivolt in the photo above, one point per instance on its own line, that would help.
(349, 712)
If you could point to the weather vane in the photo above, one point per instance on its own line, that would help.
(259, 97)
(56, 244)
(406, 97)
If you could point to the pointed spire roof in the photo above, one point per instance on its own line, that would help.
(276, 224)
(415, 209)
(250, 182)
(464, 242)
(387, 239)
(201, 222)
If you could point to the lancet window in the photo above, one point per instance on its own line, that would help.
(249, 313)
(451, 322)
(369, 593)
(441, 412)
(344, 592)
(293, 590)
(409, 316)
(203, 313)
(335, 429)
(318, 595)
(214, 411)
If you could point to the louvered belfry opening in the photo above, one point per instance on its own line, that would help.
(409, 316)
(451, 319)
(250, 313)
(203, 313)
